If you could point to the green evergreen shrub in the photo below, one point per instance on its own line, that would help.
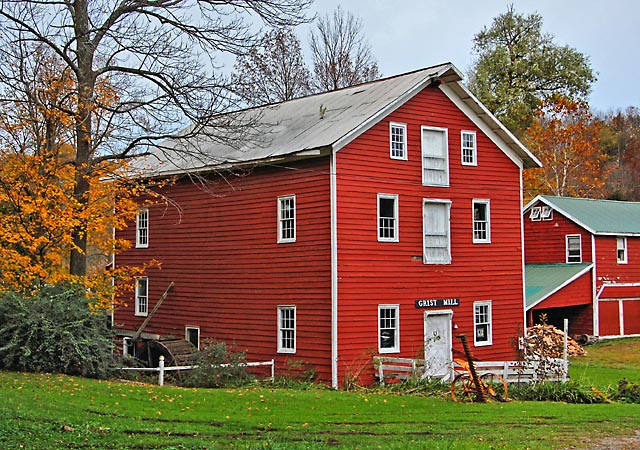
(56, 331)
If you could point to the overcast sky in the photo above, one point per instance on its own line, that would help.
(411, 34)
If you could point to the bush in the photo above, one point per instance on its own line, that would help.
(628, 392)
(54, 330)
(569, 392)
(217, 367)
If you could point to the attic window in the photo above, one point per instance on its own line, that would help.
(546, 213)
(535, 214)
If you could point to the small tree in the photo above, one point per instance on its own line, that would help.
(565, 138)
(341, 54)
(273, 70)
(518, 66)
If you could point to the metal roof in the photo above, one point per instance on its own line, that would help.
(314, 125)
(607, 217)
(542, 280)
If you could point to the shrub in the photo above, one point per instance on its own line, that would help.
(217, 367)
(569, 392)
(54, 330)
(628, 392)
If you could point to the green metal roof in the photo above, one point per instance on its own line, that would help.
(597, 216)
(542, 280)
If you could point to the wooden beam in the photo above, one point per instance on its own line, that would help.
(153, 311)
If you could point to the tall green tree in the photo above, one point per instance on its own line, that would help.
(518, 66)
(160, 54)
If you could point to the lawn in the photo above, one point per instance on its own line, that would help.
(608, 362)
(57, 411)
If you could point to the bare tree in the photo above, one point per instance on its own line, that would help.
(273, 70)
(341, 54)
(161, 56)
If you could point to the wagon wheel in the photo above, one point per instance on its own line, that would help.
(462, 388)
(495, 386)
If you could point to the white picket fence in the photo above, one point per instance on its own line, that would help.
(161, 369)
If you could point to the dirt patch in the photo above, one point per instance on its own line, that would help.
(615, 442)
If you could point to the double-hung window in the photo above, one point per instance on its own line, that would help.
(142, 228)
(387, 218)
(398, 140)
(482, 323)
(287, 219)
(574, 248)
(435, 156)
(388, 328)
(142, 296)
(481, 223)
(469, 148)
(286, 329)
(621, 250)
(437, 236)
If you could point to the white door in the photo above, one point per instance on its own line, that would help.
(437, 343)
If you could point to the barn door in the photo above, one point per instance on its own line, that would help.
(437, 343)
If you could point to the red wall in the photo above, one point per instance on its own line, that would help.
(220, 249)
(609, 318)
(545, 240)
(608, 269)
(373, 273)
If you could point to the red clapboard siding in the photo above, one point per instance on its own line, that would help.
(579, 292)
(545, 241)
(230, 274)
(608, 268)
(609, 322)
(372, 273)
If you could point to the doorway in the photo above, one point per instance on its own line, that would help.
(437, 343)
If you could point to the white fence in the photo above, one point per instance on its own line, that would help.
(161, 369)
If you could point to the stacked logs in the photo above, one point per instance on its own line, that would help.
(548, 341)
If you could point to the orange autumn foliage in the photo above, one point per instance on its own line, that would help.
(565, 138)
(38, 209)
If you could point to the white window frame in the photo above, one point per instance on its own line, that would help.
(488, 323)
(534, 214)
(189, 328)
(284, 221)
(394, 219)
(394, 329)
(445, 158)
(127, 343)
(546, 213)
(289, 330)
(395, 152)
(142, 301)
(471, 151)
(142, 228)
(486, 222)
(569, 237)
(621, 246)
(447, 231)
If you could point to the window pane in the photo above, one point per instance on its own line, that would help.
(480, 222)
(387, 218)
(388, 328)
(398, 140)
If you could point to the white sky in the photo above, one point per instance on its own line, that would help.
(411, 34)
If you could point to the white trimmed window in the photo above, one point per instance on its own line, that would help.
(192, 334)
(481, 222)
(621, 250)
(286, 329)
(482, 323)
(469, 149)
(398, 140)
(142, 228)
(534, 215)
(437, 236)
(435, 156)
(388, 328)
(142, 296)
(387, 218)
(574, 248)
(546, 213)
(287, 219)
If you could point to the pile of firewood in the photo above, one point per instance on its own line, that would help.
(547, 340)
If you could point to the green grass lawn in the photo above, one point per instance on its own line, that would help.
(61, 412)
(55, 411)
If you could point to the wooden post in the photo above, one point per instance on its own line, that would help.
(161, 371)
(153, 311)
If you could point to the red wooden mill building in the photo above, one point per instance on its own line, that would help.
(583, 264)
(381, 219)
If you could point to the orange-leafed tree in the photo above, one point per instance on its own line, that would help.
(38, 209)
(565, 138)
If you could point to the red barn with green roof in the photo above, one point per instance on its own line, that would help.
(583, 263)
(380, 219)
